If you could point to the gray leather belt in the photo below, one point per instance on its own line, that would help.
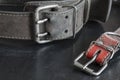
(46, 21)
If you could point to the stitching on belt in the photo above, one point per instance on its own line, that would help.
(14, 14)
(14, 37)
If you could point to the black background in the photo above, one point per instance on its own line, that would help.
(27, 60)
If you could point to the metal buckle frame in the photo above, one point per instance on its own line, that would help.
(85, 66)
(38, 22)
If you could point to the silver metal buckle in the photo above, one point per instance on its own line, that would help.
(85, 67)
(38, 22)
(112, 33)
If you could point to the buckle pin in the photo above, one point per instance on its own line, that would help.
(42, 34)
(42, 21)
(90, 62)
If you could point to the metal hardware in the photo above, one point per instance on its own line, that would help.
(85, 67)
(87, 10)
(75, 20)
(38, 22)
(112, 33)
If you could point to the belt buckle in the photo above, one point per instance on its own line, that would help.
(38, 22)
(85, 67)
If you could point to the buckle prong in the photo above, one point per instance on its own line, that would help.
(42, 34)
(42, 21)
(90, 62)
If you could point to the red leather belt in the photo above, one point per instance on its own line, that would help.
(99, 53)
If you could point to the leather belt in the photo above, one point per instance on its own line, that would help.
(46, 21)
(99, 53)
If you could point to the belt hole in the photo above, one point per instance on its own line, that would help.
(66, 31)
(66, 17)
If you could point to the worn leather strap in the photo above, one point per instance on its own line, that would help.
(110, 43)
(20, 25)
(17, 18)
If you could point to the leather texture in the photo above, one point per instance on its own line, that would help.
(17, 17)
(22, 23)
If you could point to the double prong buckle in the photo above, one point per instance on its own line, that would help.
(97, 64)
(38, 22)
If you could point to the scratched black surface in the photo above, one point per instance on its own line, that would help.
(26, 60)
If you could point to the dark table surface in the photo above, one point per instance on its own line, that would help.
(26, 60)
